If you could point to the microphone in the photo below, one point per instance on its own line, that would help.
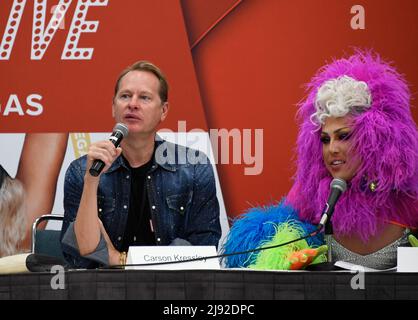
(119, 132)
(338, 186)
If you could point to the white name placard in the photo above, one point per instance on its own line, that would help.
(172, 257)
(407, 259)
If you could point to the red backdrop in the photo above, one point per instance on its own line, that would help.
(230, 64)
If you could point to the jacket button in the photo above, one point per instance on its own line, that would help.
(149, 177)
(181, 208)
(125, 206)
(127, 177)
(100, 210)
(119, 238)
(158, 239)
(153, 207)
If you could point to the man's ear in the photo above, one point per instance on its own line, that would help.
(164, 112)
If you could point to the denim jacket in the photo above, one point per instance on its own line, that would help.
(182, 198)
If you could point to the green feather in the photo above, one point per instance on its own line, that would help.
(413, 241)
(277, 258)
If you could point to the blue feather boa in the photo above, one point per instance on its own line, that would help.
(257, 226)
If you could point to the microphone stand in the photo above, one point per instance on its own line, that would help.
(329, 265)
(337, 186)
(328, 235)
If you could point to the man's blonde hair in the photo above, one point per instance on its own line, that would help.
(148, 67)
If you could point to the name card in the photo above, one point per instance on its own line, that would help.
(172, 257)
(407, 259)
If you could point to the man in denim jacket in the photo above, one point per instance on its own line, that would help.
(151, 193)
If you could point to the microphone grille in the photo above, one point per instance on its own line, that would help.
(339, 184)
(122, 128)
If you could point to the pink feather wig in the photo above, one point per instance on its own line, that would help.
(385, 137)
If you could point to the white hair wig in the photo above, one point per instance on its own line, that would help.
(339, 97)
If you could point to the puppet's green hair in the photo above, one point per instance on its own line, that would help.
(277, 258)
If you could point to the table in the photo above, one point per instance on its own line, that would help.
(209, 285)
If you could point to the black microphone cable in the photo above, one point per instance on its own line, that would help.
(337, 186)
(312, 234)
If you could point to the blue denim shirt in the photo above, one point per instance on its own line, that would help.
(182, 197)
